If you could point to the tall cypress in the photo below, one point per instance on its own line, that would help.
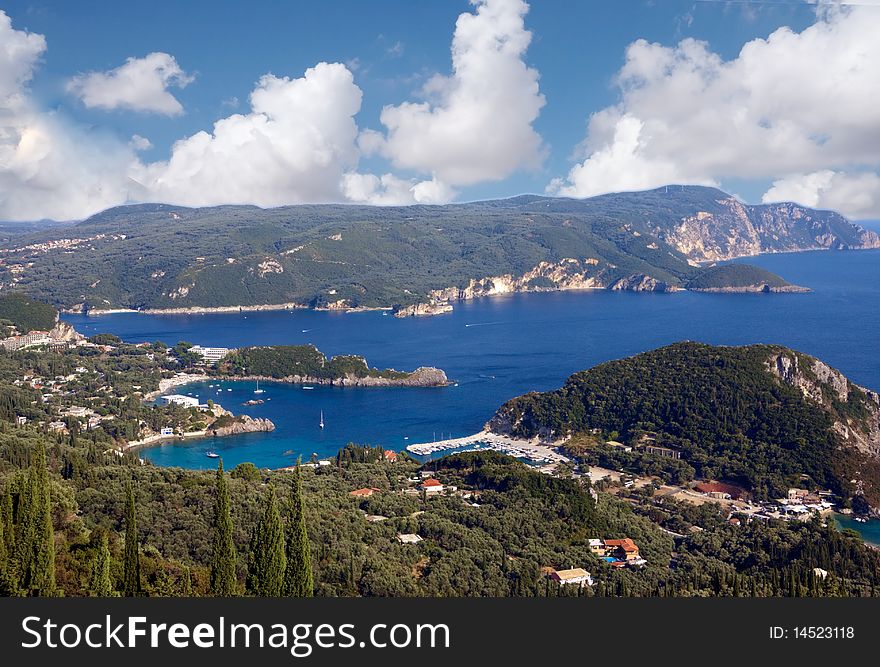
(100, 584)
(298, 581)
(267, 560)
(132, 579)
(34, 539)
(6, 520)
(5, 584)
(186, 584)
(223, 559)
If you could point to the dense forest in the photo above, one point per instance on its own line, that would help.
(78, 522)
(734, 276)
(723, 408)
(281, 361)
(162, 256)
(24, 314)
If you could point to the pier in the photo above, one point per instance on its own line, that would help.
(532, 450)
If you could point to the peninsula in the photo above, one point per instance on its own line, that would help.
(761, 417)
(417, 260)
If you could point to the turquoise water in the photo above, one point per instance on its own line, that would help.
(499, 347)
(869, 531)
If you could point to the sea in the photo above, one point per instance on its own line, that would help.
(496, 348)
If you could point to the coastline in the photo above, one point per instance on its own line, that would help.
(426, 308)
(213, 310)
(535, 449)
(434, 378)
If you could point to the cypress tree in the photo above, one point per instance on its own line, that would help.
(5, 588)
(298, 580)
(132, 578)
(34, 540)
(6, 520)
(100, 584)
(267, 559)
(223, 559)
(186, 587)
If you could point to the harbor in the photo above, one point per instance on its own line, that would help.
(531, 450)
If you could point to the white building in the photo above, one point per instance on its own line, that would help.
(180, 399)
(210, 354)
(577, 576)
(26, 340)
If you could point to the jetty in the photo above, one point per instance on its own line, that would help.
(532, 450)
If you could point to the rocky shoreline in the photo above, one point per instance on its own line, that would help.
(242, 424)
(754, 289)
(424, 376)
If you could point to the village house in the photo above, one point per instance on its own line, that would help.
(432, 485)
(618, 553)
(803, 497)
(364, 493)
(390, 455)
(666, 452)
(408, 538)
(574, 577)
(619, 445)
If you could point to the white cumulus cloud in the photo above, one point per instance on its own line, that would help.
(391, 190)
(50, 168)
(294, 145)
(141, 84)
(793, 103)
(476, 124)
(856, 193)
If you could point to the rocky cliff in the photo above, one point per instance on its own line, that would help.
(729, 229)
(242, 424)
(762, 416)
(566, 274)
(830, 389)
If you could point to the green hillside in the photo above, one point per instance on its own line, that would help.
(732, 276)
(724, 408)
(281, 361)
(162, 256)
(25, 314)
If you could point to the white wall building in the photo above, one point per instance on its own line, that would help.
(180, 399)
(210, 354)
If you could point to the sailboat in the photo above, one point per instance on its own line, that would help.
(258, 390)
(321, 423)
(212, 455)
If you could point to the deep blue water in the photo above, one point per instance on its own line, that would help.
(499, 347)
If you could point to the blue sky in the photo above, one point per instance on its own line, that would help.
(393, 48)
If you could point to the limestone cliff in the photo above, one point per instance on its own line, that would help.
(829, 388)
(242, 424)
(733, 229)
(567, 274)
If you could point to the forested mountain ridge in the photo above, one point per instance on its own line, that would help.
(762, 416)
(342, 256)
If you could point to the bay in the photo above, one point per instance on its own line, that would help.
(500, 347)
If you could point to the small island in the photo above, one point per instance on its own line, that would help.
(305, 364)
(741, 278)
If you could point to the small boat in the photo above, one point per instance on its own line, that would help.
(212, 455)
(229, 390)
(861, 519)
(258, 390)
(321, 423)
(307, 388)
